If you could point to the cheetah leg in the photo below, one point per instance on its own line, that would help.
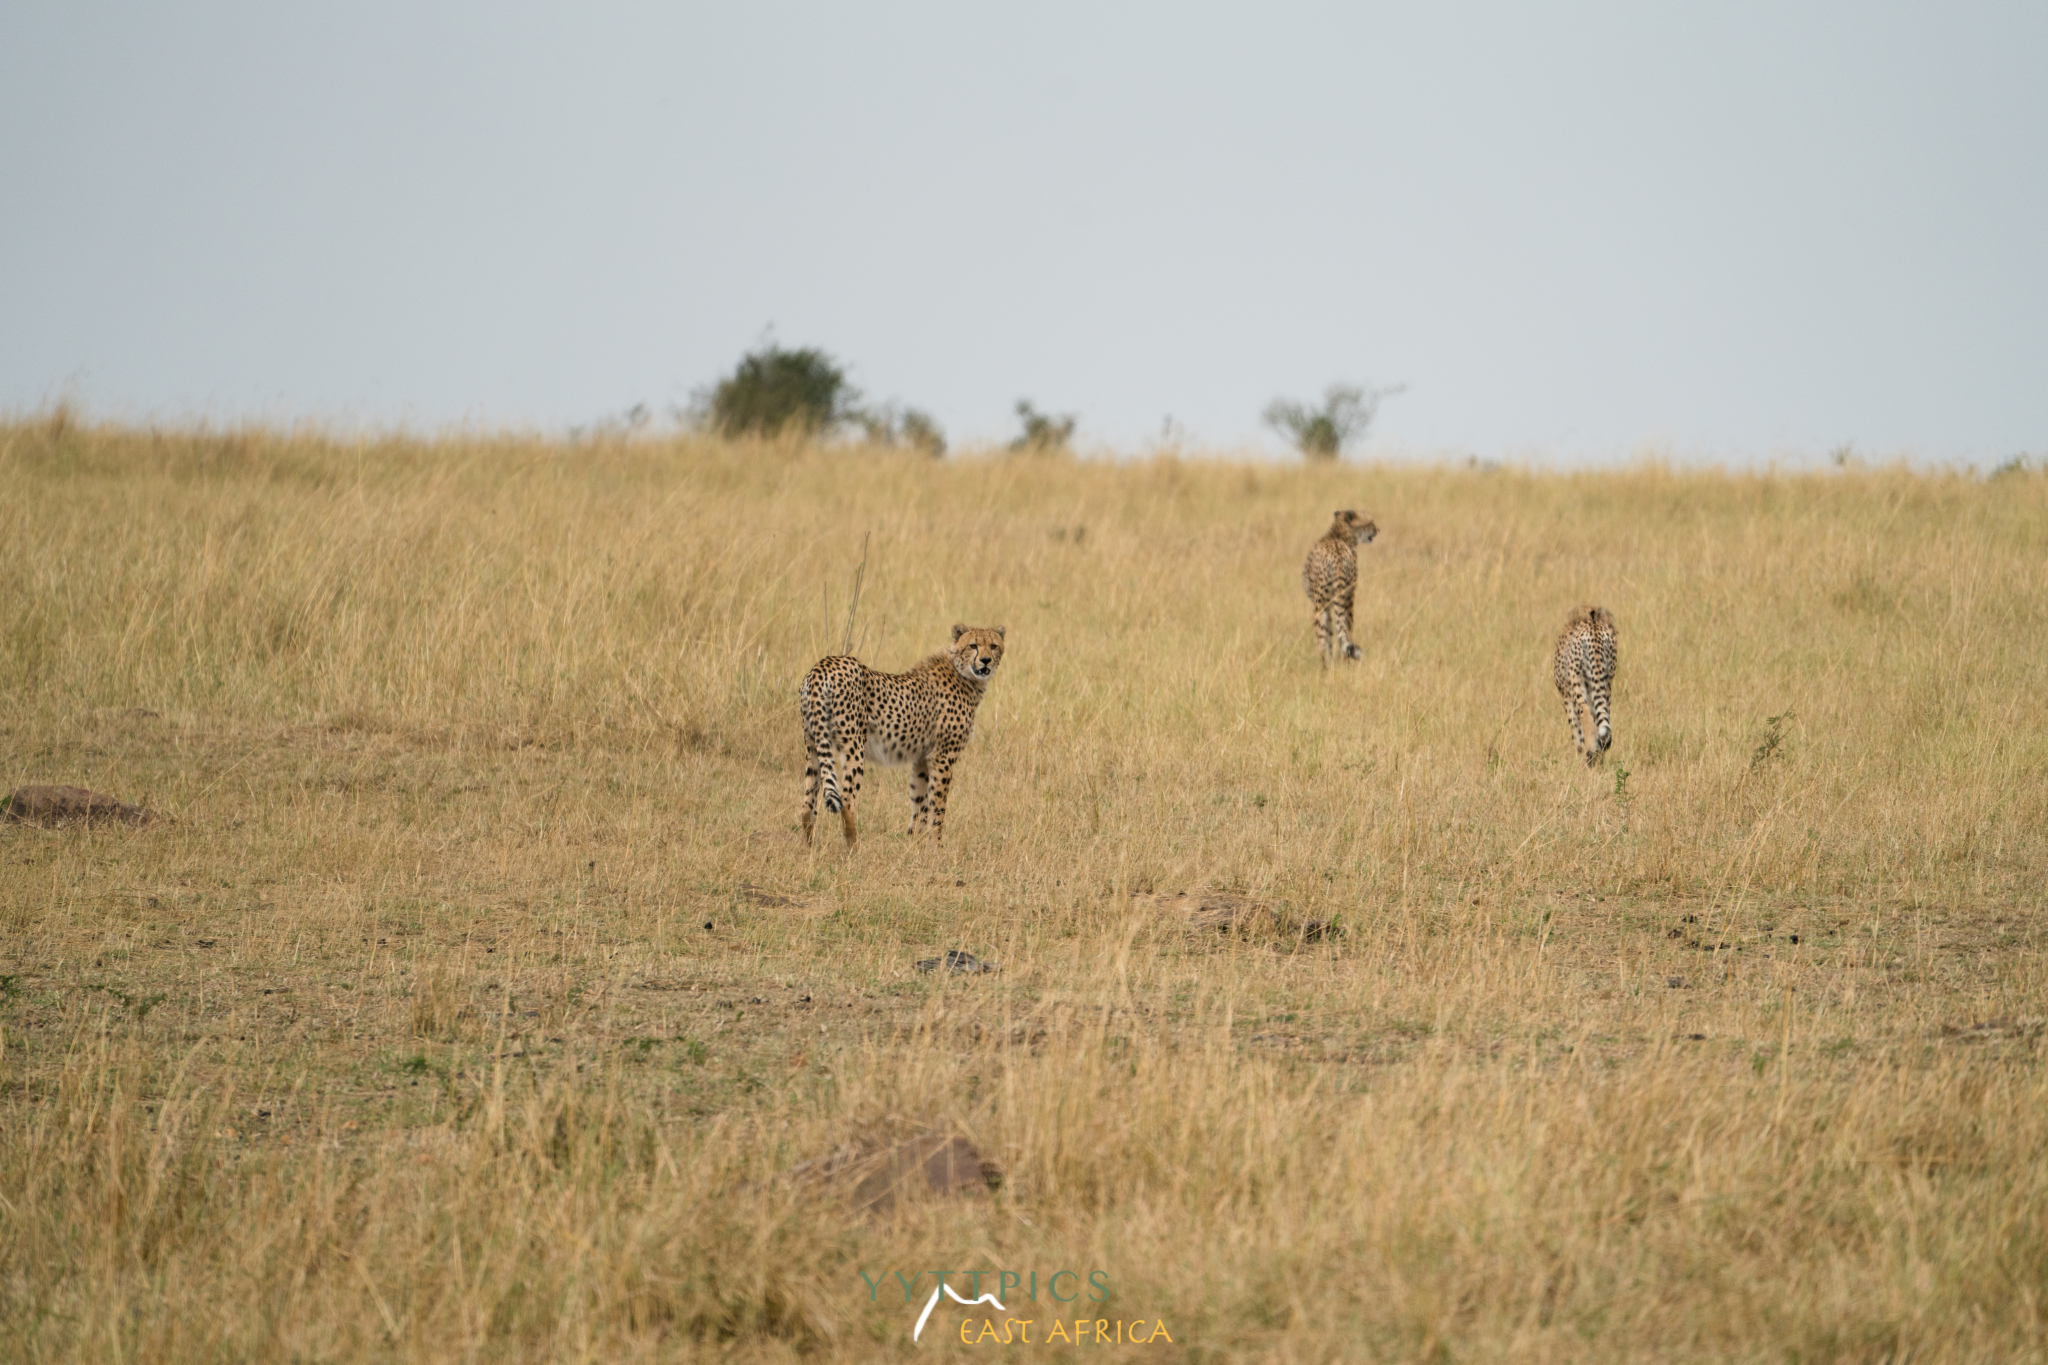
(920, 792)
(1571, 713)
(1340, 620)
(1584, 698)
(1322, 620)
(935, 804)
(810, 794)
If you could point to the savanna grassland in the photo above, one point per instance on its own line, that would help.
(478, 1000)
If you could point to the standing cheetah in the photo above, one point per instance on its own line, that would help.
(1583, 668)
(1331, 578)
(922, 718)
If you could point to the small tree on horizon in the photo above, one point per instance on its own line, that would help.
(885, 426)
(922, 430)
(1321, 433)
(773, 390)
(1044, 433)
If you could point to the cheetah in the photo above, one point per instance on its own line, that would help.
(1331, 578)
(1583, 668)
(921, 718)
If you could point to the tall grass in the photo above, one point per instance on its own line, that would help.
(479, 1001)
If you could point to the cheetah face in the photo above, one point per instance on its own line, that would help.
(1360, 528)
(976, 651)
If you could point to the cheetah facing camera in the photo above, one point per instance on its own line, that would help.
(1331, 580)
(922, 718)
(1583, 667)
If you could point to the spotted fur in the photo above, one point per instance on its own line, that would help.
(1583, 668)
(921, 718)
(1330, 577)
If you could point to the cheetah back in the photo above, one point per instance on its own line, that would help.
(1586, 650)
(1330, 577)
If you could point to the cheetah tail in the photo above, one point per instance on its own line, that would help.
(820, 732)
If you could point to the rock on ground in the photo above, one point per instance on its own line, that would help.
(922, 1167)
(54, 805)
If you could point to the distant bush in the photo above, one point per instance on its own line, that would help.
(774, 390)
(1044, 433)
(887, 427)
(1321, 433)
(920, 429)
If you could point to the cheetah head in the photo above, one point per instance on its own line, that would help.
(1355, 525)
(976, 651)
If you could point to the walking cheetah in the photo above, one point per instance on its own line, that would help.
(1331, 578)
(1583, 668)
(922, 718)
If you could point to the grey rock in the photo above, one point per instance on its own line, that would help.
(55, 805)
(956, 961)
(922, 1167)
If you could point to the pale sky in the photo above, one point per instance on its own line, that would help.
(1727, 232)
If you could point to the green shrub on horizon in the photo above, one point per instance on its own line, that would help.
(1321, 433)
(775, 390)
(1044, 433)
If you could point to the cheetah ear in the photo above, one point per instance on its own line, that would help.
(999, 632)
(958, 631)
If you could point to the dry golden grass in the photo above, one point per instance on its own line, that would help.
(479, 1000)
